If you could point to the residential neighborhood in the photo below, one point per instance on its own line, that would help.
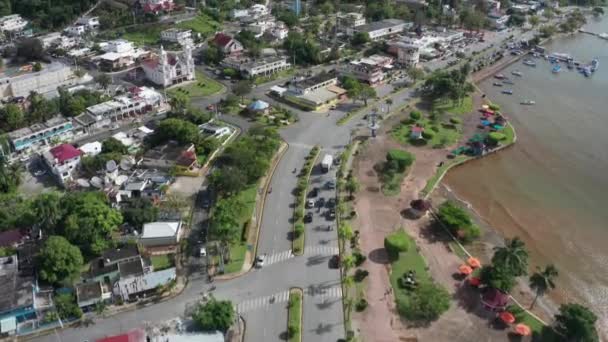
(177, 170)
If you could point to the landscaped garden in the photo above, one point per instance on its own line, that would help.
(162, 262)
(436, 130)
(301, 194)
(393, 171)
(294, 316)
(202, 86)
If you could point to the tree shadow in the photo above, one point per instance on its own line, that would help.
(284, 336)
(290, 236)
(315, 260)
(409, 214)
(323, 328)
(326, 304)
(379, 256)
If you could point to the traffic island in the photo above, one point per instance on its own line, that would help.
(297, 244)
(294, 315)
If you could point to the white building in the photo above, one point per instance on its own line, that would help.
(62, 160)
(258, 10)
(408, 53)
(280, 31)
(251, 68)
(12, 23)
(161, 233)
(156, 6)
(382, 29)
(170, 68)
(45, 81)
(351, 20)
(175, 35)
(40, 134)
(118, 54)
(49, 39)
(92, 23)
(76, 30)
(369, 69)
(91, 149)
(239, 13)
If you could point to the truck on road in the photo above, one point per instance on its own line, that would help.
(327, 162)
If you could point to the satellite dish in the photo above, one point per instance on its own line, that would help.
(83, 182)
(126, 163)
(120, 180)
(97, 182)
(111, 166)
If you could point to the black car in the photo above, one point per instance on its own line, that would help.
(331, 214)
(331, 203)
(308, 217)
(334, 262)
(314, 192)
(330, 184)
(321, 202)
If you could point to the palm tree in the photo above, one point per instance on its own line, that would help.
(542, 281)
(513, 256)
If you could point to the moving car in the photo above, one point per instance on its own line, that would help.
(334, 262)
(259, 261)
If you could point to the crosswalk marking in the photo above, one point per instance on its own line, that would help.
(331, 292)
(321, 250)
(262, 302)
(278, 257)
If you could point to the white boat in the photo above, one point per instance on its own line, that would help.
(517, 73)
(603, 35)
(528, 102)
(529, 62)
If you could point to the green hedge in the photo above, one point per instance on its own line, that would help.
(396, 243)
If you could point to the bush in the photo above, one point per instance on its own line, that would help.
(360, 275)
(214, 315)
(426, 303)
(458, 221)
(428, 134)
(495, 137)
(292, 330)
(399, 159)
(361, 305)
(415, 115)
(396, 243)
(66, 306)
(455, 120)
(298, 230)
(359, 258)
(494, 107)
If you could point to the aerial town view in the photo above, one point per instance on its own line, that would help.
(303, 170)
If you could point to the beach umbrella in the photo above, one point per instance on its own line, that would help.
(465, 269)
(523, 330)
(474, 281)
(474, 262)
(507, 317)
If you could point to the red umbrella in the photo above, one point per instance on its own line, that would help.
(474, 281)
(523, 330)
(465, 269)
(474, 262)
(507, 317)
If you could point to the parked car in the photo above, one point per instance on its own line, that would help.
(330, 184)
(314, 192)
(331, 203)
(331, 214)
(321, 202)
(310, 204)
(202, 252)
(334, 262)
(308, 217)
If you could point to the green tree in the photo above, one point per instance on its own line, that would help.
(367, 93)
(10, 176)
(90, 210)
(229, 180)
(399, 160)
(513, 257)
(104, 80)
(12, 117)
(396, 243)
(576, 323)
(66, 306)
(175, 129)
(426, 303)
(534, 20)
(113, 145)
(415, 73)
(48, 211)
(498, 277)
(241, 89)
(224, 223)
(5, 7)
(213, 55)
(360, 38)
(59, 260)
(598, 11)
(214, 315)
(352, 186)
(542, 281)
(345, 231)
(37, 67)
(139, 211)
(180, 102)
(30, 49)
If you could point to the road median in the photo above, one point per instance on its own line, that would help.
(294, 315)
(299, 231)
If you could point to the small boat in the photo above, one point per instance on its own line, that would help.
(557, 68)
(570, 66)
(603, 35)
(529, 62)
(507, 91)
(499, 76)
(497, 84)
(517, 73)
(528, 102)
(508, 82)
(595, 64)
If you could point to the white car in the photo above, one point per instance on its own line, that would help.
(259, 261)
(202, 252)
(310, 203)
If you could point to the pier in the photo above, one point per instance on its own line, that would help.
(603, 35)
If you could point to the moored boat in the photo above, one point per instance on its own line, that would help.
(528, 102)
(507, 91)
(507, 82)
(557, 68)
(517, 73)
(529, 62)
(497, 84)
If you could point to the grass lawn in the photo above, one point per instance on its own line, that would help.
(444, 134)
(522, 316)
(294, 315)
(280, 74)
(410, 260)
(458, 250)
(391, 186)
(238, 249)
(148, 35)
(162, 262)
(202, 24)
(237, 257)
(203, 86)
(246, 197)
(455, 107)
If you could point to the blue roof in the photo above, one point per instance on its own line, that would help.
(259, 105)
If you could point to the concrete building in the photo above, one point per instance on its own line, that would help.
(76, 30)
(12, 23)
(239, 13)
(41, 134)
(408, 53)
(498, 20)
(176, 35)
(228, 45)
(17, 295)
(250, 68)
(132, 287)
(22, 82)
(156, 6)
(315, 93)
(119, 54)
(382, 29)
(306, 85)
(369, 69)
(138, 101)
(91, 23)
(89, 294)
(349, 21)
(161, 234)
(62, 160)
(170, 68)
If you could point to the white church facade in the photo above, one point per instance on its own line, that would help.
(170, 68)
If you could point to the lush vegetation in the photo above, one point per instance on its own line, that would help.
(214, 315)
(301, 194)
(448, 85)
(203, 86)
(357, 90)
(423, 302)
(396, 243)
(202, 24)
(458, 221)
(66, 306)
(393, 170)
(138, 211)
(162, 262)
(437, 133)
(294, 316)
(59, 260)
(46, 14)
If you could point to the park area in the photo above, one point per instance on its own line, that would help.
(201, 87)
(392, 171)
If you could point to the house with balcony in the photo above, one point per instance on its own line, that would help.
(41, 134)
(370, 69)
(251, 67)
(62, 161)
(177, 36)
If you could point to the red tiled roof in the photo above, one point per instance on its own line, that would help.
(417, 129)
(136, 335)
(187, 158)
(222, 39)
(64, 152)
(11, 237)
